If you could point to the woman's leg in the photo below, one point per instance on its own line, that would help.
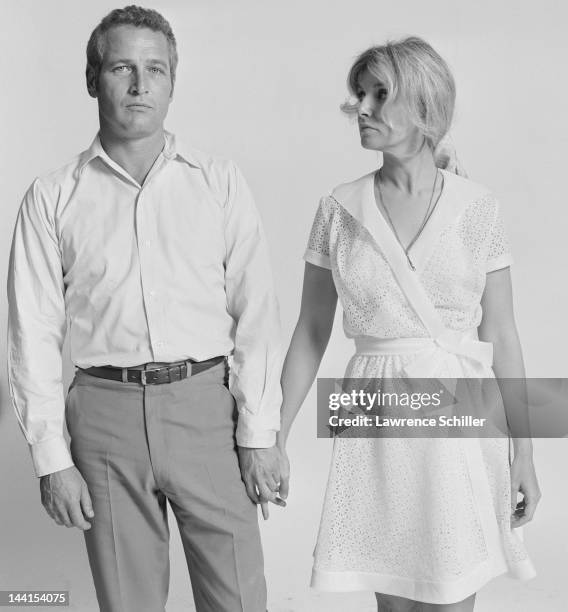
(392, 603)
(461, 606)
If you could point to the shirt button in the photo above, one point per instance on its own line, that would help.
(152, 293)
(148, 243)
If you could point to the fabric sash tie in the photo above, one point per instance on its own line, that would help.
(433, 353)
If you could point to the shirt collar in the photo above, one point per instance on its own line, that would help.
(94, 151)
(171, 150)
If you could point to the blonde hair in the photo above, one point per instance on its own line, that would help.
(414, 73)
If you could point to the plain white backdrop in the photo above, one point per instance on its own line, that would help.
(261, 82)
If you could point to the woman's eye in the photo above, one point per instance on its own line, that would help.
(382, 94)
(359, 95)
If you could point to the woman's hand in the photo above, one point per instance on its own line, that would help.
(523, 479)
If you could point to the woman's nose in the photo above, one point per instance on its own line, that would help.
(363, 110)
(365, 107)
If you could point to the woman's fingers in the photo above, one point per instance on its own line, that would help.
(525, 510)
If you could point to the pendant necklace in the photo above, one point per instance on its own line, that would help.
(427, 216)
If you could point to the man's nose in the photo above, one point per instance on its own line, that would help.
(138, 85)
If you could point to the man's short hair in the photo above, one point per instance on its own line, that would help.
(133, 16)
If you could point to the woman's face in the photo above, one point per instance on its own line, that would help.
(399, 135)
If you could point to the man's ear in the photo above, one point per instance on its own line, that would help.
(91, 82)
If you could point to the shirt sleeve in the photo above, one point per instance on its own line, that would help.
(498, 247)
(317, 251)
(251, 300)
(36, 330)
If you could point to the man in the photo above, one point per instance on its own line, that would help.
(152, 256)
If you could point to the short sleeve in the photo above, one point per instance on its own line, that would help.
(317, 251)
(498, 247)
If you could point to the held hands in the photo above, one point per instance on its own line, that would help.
(266, 474)
(65, 496)
(523, 479)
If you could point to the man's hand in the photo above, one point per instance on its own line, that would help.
(265, 472)
(65, 496)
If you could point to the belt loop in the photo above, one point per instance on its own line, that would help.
(124, 375)
(143, 377)
(188, 368)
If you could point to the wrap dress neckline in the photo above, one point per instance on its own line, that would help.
(444, 345)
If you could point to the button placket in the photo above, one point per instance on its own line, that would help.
(147, 243)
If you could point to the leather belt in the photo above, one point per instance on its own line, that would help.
(154, 376)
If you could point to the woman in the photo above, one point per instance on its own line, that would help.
(420, 262)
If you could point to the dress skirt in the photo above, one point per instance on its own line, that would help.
(423, 518)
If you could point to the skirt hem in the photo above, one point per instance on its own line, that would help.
(419, 590)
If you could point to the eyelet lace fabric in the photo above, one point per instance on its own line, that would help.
(454, 276)
(400, 516)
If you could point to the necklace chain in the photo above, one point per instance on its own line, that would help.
(427, 216)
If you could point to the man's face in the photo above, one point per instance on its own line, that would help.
(134, 88)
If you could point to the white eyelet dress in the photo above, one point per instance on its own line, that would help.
(422, 518)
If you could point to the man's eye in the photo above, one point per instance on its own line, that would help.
(121, 68)
(156, 70)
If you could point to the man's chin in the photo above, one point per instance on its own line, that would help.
(137, 130)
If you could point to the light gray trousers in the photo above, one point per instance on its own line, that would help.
(137, 448)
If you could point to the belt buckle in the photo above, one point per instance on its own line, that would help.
(179, 369)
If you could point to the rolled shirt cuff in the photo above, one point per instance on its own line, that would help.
(252, 432)
(50, 456)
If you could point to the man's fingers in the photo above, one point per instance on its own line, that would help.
(264, 508)
(77, 519)
(86, 503)
(61, 516)
(266, 495)
(284, 486)
(271, 482)
(251, 491)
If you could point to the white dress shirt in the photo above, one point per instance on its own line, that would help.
(176, 268)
